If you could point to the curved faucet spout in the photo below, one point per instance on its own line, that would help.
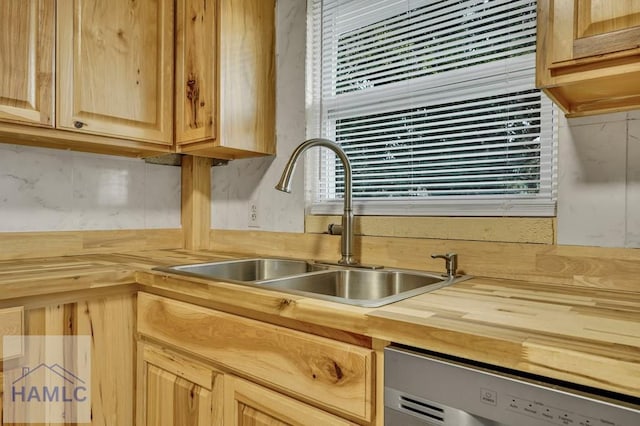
(347, 217)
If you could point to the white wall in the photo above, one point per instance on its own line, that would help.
(53, 190)
(599, 180)
(241, 182)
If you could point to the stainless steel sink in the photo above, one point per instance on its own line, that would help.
(360, 287)
(350, 285)
(244, 270)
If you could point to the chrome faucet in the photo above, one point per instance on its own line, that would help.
(347, 217)
(451, 260)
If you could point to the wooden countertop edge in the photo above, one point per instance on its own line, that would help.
(530, 354)
(229, 296)
(70, 282)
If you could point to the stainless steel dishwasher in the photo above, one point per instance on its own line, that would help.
(422, 388)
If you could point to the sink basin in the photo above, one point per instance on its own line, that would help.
(244, 270)
(360, 287)
(350, 285)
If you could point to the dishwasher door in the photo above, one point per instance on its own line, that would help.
(423, 389)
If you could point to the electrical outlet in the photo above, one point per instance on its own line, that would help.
(254, 216)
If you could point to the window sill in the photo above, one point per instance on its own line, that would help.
(536, 230)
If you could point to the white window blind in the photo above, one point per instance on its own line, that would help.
(434, 103)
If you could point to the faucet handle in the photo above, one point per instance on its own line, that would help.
(451, 260)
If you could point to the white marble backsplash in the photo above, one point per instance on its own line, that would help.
(54, 190)
(242, 182)
(599, 180)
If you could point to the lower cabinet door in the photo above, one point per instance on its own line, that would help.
(11, 324)
(248, 404)
(176, 391)
(1, 392)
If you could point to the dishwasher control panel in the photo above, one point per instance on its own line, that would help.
(553, 415)
(423, 389)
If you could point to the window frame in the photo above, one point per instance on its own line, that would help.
(407, 206)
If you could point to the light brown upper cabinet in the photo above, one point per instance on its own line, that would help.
(588, 54)
(121, 66)
(27, 41)
(115, 62)
(225, 78)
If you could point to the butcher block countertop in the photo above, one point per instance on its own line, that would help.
(587, 336)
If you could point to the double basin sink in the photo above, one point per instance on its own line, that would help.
(342, 284)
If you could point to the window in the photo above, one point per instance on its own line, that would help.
(434, 103)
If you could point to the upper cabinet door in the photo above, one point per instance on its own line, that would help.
(587, 54)
(27, 35)
(115, 68)
(595, 27)
(225, 78)
(247, 81)
(196, 64)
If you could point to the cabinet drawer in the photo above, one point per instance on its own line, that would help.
(333, 374)
(11, 324)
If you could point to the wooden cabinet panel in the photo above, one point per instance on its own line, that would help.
(100, 75)
(247, 404)
(196, 70)
(247, 88)
(589, 28)
(175, 391)
(587, 54)
(225, 78)
(27, 35)
(173, 401)
(332, 374)
(115, 68)
(595, 17)
(11, 324)
(110, 321)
